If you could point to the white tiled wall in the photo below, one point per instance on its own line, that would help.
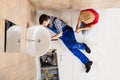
(109, 45)
(103, 39)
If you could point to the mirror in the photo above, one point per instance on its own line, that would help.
(12, 37)
(38, 40)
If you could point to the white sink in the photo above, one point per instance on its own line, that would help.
(13, 39)
(38, 40)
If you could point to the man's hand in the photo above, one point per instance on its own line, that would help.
(56, 36)
(77, 31)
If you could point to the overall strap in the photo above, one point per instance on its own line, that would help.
(54, 21)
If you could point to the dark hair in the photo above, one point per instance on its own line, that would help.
(43, 18)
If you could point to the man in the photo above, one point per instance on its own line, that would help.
(86, 20)
(66, 34)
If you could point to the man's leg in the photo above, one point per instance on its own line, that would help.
(69, 34)
(78, 45)
(82, 46)
(83, 58)
(69, 40)
(79, 55)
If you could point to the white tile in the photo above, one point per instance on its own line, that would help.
(109, 20)
(109, 67)
(109, 42)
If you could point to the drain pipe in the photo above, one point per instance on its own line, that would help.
(38, 70)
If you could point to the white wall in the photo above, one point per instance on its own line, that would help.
(108, 45)
(104, 40)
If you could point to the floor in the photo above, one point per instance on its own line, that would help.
(104, 41)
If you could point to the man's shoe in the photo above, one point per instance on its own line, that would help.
(87, 49)
(88, 66)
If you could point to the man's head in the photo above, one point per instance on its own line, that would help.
(87, 16)
(44, 20)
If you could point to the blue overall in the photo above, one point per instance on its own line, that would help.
(69, 40)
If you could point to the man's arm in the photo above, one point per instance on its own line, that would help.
(86, 28)
(59, 29)
(78, 25)
(79, 22)
(56, 36)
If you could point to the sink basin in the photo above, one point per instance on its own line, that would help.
(38, 40)
(13, 39)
